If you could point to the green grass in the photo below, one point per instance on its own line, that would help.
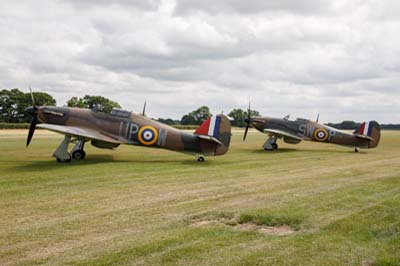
(136, 206)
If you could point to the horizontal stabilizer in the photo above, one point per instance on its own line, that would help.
(210, 139)
(364, 137)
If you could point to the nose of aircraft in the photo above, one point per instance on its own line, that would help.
(30, 110)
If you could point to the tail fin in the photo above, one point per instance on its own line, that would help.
(370, 129)
(218, 129)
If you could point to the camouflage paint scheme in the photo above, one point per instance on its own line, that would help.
(294, 132)
(123, 127)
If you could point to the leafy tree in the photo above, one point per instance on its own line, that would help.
(14, 102)
(188, 120)
(239, 115)
(98, 103)
(346, 125)
(9, 104)
(76, 102)
(168, 121)
(197, 116)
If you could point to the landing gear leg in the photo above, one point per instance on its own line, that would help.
(77, 152)
(355, 149)
(62, 155)
(200, 158)
(270, 144)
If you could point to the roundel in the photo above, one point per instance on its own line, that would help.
(148, 135)
(320, 134)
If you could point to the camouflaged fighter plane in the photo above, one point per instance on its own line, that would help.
(108, 131)
(366, 136)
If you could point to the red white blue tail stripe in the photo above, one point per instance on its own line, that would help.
(210, 127)
(366, 129)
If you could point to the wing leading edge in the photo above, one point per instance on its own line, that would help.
(82, 132)
(281, 133)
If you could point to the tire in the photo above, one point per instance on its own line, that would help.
(200, 159)
(79, 155)
(64, 160)
(274, 145)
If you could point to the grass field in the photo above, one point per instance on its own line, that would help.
(306, 204)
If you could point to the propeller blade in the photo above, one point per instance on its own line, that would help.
(247, 120)
(31, 130)
(249, 113)
(33, 99)
(245, 132)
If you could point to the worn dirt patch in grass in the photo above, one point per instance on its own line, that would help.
(281, 230)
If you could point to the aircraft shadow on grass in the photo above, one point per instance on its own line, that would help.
(311, 151)
(48, 165)
(281, 150)
(102, 159)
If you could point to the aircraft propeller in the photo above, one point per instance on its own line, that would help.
(33, 112)
(247, 120)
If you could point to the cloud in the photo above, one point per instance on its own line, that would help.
(138, 4)
(301, 57)
(255, 6)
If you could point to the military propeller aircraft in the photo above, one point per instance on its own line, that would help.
(366, 136)
(108, 131)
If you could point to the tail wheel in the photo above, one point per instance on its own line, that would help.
(79, 155)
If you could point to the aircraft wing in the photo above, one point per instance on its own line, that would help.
(281, 133)
(81, 132)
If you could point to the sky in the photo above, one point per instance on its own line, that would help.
(338, 58)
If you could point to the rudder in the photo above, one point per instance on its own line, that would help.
(371, 129)
(218, 127)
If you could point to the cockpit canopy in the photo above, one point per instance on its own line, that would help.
(302, 120)
(120, 113)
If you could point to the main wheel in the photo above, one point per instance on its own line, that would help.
(79, 155)
(200, 159)
(274, 145)
(64, 160)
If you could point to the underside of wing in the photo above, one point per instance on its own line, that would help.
(281, 133)
(82, 132)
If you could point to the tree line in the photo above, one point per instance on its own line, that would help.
(14, 102)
